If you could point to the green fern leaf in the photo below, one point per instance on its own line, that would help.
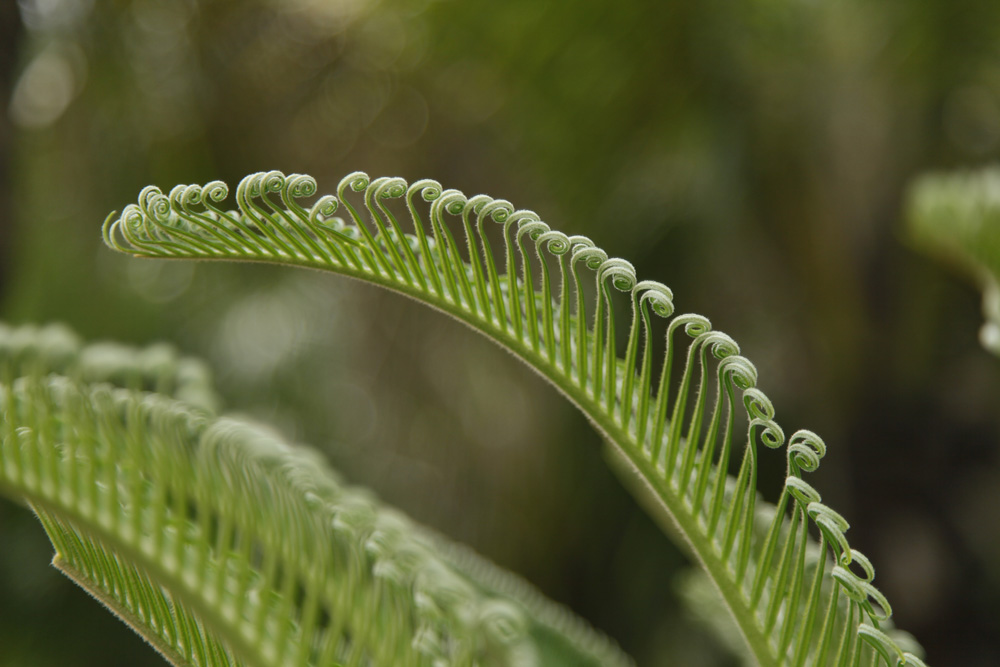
(222, 545)
(679, 423)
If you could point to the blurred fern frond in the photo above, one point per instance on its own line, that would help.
(674, 398)
(222, 545)
(957, 214)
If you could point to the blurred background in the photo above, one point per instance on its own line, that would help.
(754, 156)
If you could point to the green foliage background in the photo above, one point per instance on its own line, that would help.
(753, 157)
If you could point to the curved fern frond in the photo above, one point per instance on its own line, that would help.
(958, 214)
(675, 400)
(224, 546)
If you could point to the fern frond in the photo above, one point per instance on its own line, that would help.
(677, 401)
(958, 214)
(222, 545)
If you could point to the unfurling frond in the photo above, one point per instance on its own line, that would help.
(676, 401)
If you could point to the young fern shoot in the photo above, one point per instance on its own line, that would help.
(681, 423)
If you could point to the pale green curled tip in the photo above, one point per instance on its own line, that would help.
(674, 398)
(957, 214)
(222, 545)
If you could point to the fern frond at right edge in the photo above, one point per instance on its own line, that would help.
(958, 214)
(680, 421)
